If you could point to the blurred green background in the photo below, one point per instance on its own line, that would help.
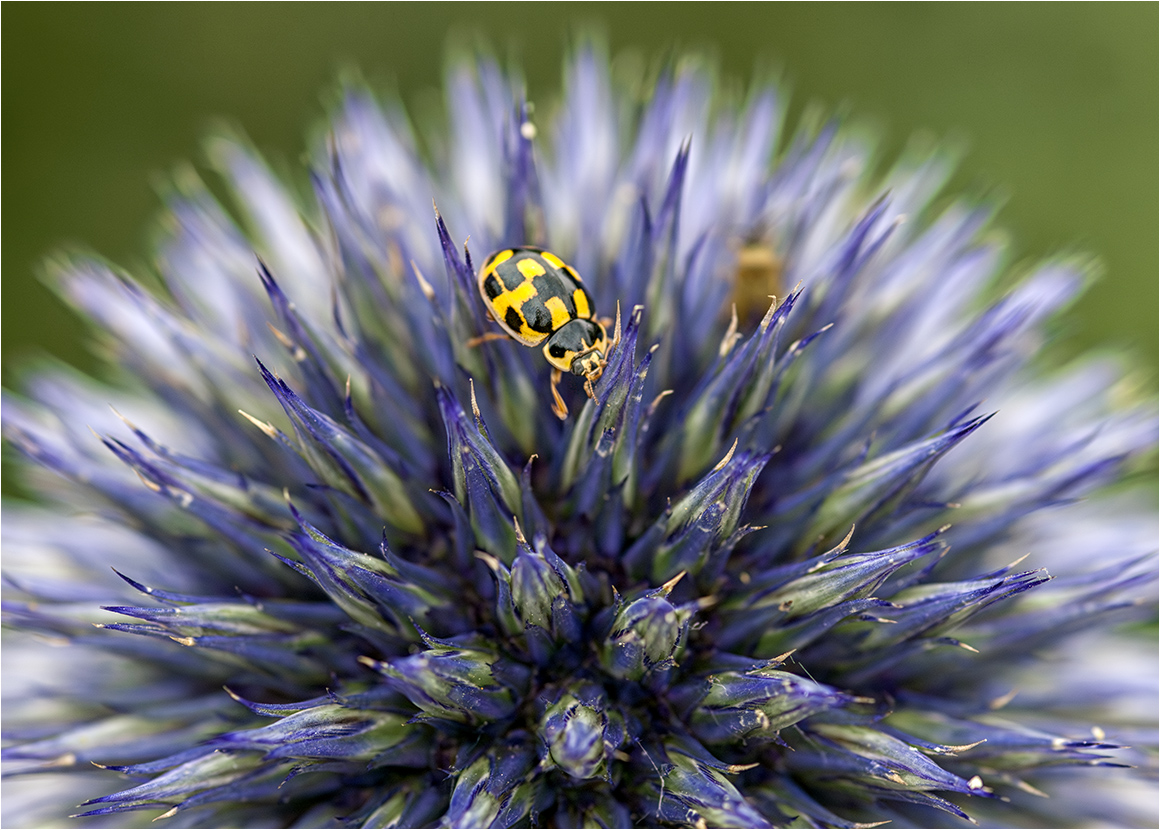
(1058, 104)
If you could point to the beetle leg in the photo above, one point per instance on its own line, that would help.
(487, 338)
(559, 409)
(588, 388)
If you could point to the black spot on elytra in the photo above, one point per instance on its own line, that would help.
(510, 274)
(538, 317)
(551, 285)
(513, 319)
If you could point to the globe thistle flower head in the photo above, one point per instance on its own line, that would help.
(762, 574)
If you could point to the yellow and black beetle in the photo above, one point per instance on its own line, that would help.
(535, 297)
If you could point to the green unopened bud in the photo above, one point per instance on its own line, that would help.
(463, 684)
(412, 805)
(754, 705)
(573, 730)
(471, 803)
(647, 634)
(699, 795)
(494, 791)
(535, 585)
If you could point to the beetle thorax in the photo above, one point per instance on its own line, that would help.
(577, 347)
